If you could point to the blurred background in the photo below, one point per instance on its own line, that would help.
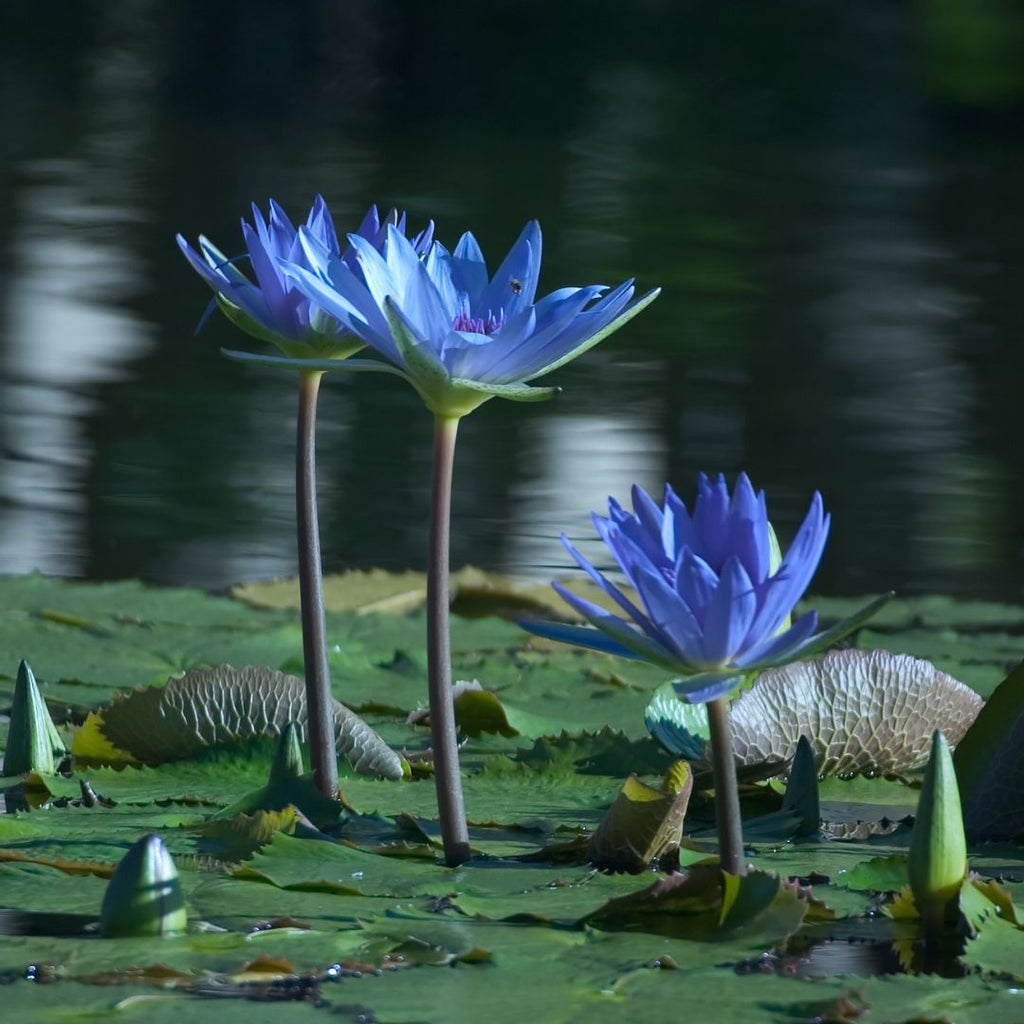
(830, 196)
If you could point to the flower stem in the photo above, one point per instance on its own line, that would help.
(450, 806)
(320, 716)
(727, 798)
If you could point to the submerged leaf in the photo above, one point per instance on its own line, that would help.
(239, 836)
(221, 706)
(705, 904)
(869, 712)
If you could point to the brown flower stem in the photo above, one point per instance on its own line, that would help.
(319, 710)
(727, 797)
(450, 805)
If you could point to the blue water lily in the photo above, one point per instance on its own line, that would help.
(715, 594)
(272, 308)
(458, 334)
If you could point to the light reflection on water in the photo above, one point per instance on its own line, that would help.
(840, 258)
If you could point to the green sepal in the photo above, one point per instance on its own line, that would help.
(288, 363)
(426, 372)
(823, 641)
(31, 735)
(937, 859)
(144, 896)
(287, 763)
(513, 392)
(623, 318)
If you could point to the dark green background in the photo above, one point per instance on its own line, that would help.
(829, 195)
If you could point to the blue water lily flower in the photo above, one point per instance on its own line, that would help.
(273, 309)
(459, 335)
(715, 594)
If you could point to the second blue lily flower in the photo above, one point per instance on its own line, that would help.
(459, 335)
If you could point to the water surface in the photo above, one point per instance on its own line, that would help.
(829, 198)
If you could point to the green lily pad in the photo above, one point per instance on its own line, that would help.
(220, 707)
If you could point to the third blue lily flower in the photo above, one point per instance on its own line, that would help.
(715, 594)
(458, 334)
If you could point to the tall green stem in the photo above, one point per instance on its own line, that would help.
(727, 797)
(319, 711)
(451, 808)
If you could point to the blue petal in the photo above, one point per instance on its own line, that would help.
(226, 280)
(438, 265)
(321, 225)
(642, 646)
(696, 583)
(514, 284)
(581, 636)
(699, 689)
(676, 526)
(469, 270)
(749, 529)
(265, 269)
(630, 549)
(649, 518)
(729, 613)
(559, 332)
(787, 586)
(608, 587)
(344, 310)
(417, 296)
(773, 649)
(710, 521)
(674, 620)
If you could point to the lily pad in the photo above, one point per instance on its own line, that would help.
(219, 707)
(864, 712)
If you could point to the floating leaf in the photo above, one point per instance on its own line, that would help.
(643, 823)
(218, 707)
(990, 764)
(864, 712)
(706, 905)
(237, 837)
(299, 792)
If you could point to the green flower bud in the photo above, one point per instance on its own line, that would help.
(937, 862)
(287, 763)
(144, 897)
(30, 737)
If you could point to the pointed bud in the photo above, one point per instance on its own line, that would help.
(29, 736)
(287, 763)
(937, 862)
(801, 797)
(144, 896)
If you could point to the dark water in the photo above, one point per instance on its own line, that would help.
(829, 194)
